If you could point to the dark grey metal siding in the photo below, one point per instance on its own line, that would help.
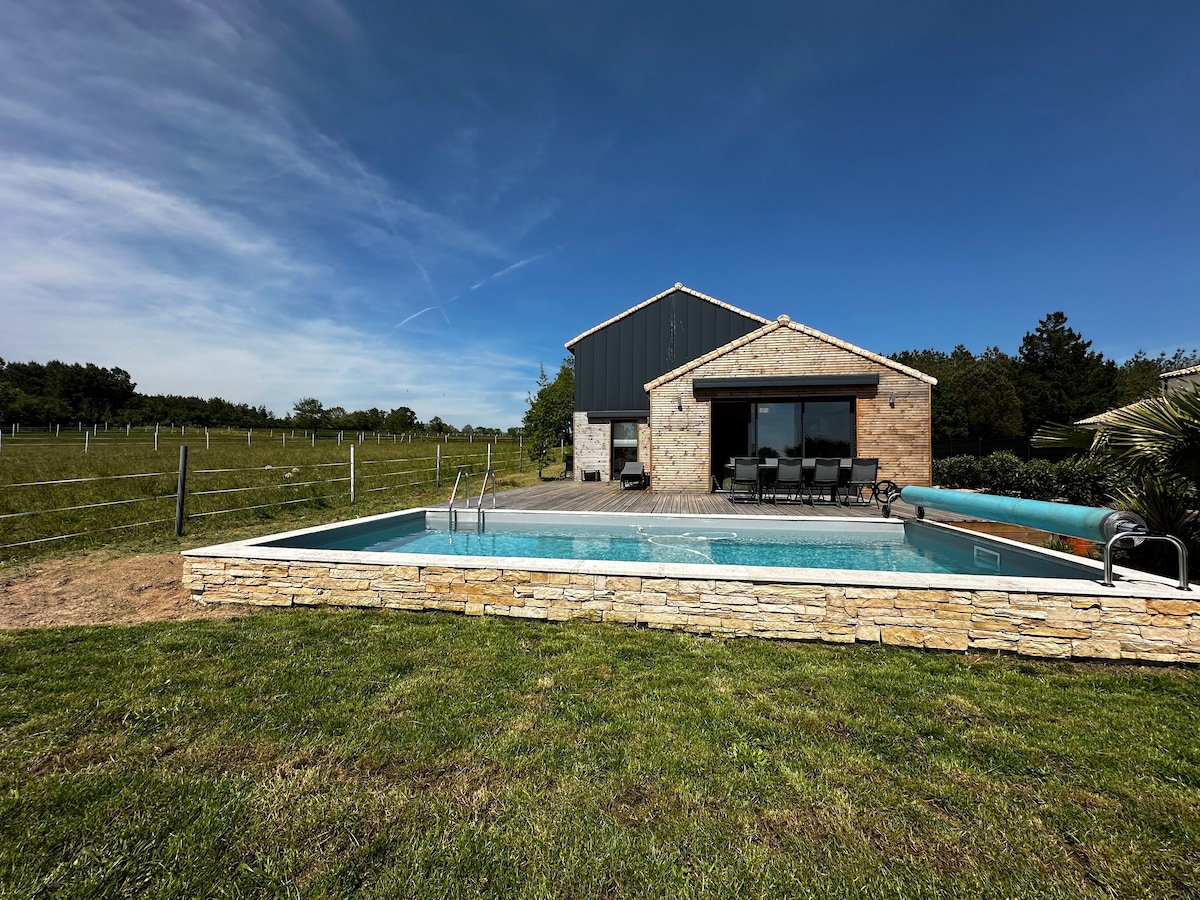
(612, 364)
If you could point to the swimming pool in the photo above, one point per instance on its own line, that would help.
(817, 543)
(965, 592)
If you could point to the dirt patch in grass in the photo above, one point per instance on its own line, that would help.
(101, 588)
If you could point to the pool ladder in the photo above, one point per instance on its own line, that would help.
(453, 513)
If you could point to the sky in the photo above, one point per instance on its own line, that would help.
(400, 204)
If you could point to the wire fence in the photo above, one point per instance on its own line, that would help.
(39, 511)
(102, 434)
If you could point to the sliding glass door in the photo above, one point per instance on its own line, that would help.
(773, 428)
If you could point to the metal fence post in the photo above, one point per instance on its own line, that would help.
(352, 473)
(437, 478)
(180, 494)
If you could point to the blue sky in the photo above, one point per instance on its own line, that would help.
(386, 204)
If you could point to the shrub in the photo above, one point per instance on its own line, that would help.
(1002, 473)
(1039, 480)
(957, 472)
(1084, 480)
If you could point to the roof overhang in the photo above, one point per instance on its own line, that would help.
(753, 382)
(594, 414)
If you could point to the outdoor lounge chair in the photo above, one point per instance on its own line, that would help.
(744, 485)
(633, 474)
(825, 478)
(789, 478)
(863, 475)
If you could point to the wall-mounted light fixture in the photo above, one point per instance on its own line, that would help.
(679, 403)
(892, 400)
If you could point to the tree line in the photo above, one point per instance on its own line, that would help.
(1054, 378)
(44, 394)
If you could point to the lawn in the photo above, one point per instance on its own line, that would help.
(56, 499)
(380, 754)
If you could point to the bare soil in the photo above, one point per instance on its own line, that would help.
(102, 588)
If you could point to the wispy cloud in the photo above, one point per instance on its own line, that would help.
(167, 205)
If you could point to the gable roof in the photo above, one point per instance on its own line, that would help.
(1180, 373)
(786, 322)
(1101, 419)
(678, 287)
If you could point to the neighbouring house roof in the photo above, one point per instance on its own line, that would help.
(786, 322)
(678, 287)
(1101, 419)
(1181, 373)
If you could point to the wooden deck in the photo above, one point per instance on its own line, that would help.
(610, 497)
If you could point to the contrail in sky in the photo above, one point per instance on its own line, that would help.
(513, 267)
(414, 315)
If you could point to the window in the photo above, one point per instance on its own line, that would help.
(785, 427)
(624, 445)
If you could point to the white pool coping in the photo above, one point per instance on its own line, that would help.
(1129, 582)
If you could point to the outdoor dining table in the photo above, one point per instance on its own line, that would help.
(808, 464)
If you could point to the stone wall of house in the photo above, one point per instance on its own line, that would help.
(898, 435)
(1091, 626)
(593, 443)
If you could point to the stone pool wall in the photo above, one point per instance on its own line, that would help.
(1087, 626)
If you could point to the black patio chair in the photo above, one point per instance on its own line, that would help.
(826, 474)
(789, 478)
(864, 473)
(744, 485)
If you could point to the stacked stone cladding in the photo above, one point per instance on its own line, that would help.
(1091, 626)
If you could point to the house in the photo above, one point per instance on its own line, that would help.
(1180, 379)
(684, 382)
(1169, 382)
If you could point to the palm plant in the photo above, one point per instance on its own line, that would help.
(1156, 444)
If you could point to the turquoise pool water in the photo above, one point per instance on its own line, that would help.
(873, 549)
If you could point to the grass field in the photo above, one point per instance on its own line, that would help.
(379, 754)
(55, 498)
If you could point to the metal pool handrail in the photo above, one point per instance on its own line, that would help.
(1146, 536)
(454, 494)
(490, 473)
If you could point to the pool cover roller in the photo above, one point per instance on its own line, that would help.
(1087, 522)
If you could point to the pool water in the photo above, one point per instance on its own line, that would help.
(882, 550)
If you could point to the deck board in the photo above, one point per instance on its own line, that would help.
(610, 497)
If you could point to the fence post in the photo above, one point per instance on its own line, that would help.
(352, 473)
(437, 478)
(86, 435)
(520, 453)
(489, 459)
(181, 492)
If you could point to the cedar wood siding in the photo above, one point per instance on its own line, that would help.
(899, 437)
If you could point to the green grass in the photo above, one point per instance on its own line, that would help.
(273, 483)
(319, 754)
